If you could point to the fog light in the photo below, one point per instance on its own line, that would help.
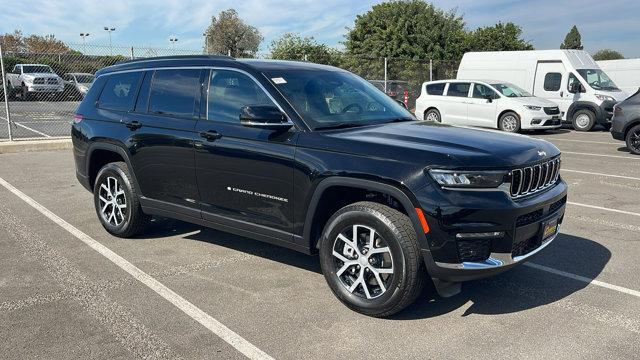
(536, 121)
(480, 235)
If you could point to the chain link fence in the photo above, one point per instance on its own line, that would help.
(44, 89)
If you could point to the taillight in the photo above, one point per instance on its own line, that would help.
(77, 118)
(617, 110)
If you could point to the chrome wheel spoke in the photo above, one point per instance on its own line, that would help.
(112, 201)
(378, 279)
(384, 270)
(341, 257)
(380, 250)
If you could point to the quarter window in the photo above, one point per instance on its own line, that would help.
(459, 89)
(229, 91)
(572, 79)
(119, 92)
(552, 81)
(435, 89)
(174, 92)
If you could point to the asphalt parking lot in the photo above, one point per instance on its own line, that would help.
(38, 119)
(66, 289)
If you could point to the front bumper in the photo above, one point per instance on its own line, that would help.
(45, 88)
(532, 120)
(519, 221)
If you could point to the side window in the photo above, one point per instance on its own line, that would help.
(16, 70)
(174, 92)
(552, 81)
(435, 89)
(119, 92)
(482, 92)
(459, 89)
(229, 91)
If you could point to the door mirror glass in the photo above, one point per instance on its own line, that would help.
(264, 117)
(576, 87)
(401, 103)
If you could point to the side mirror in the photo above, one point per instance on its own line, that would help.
(264, 117)
(401, 103)
(576, 87)
(489, 98)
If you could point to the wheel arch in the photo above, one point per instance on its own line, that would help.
(582, 105)
(630, 126)
(316, 216)
(100, 154)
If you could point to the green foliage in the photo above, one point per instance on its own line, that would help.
(229, 33)
(500, 37)
(16, 42)
(607, 54)
(292, 46)
(573, 40)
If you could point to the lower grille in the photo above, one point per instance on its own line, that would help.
(525, 246)
(552, 110)
(557, 205)
(476, 250)
(529, 218)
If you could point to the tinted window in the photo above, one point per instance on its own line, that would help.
(483, 92)
(435, 89)
(572, 79)
(174, 92)
(229, 91)
(119, 92)
(552, 81)
(459, 89)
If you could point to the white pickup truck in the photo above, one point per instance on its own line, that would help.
(25, 80)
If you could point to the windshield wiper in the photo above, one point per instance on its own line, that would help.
(342, 125)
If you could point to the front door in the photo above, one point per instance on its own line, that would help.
(551, 83)
(244, 174)
(482, 106)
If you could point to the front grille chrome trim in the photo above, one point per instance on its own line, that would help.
(533, 179)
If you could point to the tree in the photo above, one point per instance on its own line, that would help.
(573, 40)
(229, 33)
(291, 46)
(13, 42)
(47, 44)
(607, 54)
(500, 37)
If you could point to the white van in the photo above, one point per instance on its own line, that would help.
(570, 78)
(624, 72)
(485, 103)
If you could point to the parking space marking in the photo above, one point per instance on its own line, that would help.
(604, 208)
(30, 129)
(601, 174)
(580, 141)
(584, 279)
(601, 155)
(239, 343)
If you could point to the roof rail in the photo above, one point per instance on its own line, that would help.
(177, 57)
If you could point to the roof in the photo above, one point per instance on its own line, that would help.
(271, 65)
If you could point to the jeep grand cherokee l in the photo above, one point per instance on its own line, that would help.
(315, 159)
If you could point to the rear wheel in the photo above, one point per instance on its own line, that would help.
(116, 201)
(584, 120)
(371, 259)
(432, 115)
(633, 140)
(509, 122)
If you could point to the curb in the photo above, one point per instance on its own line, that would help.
(34, 145)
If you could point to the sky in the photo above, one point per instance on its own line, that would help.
(603, 24)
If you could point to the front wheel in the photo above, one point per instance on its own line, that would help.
(371, 259)
(509, 122)
(633, 140)
(584, 120)
(116, 201)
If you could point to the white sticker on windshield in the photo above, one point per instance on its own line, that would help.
(279, 80)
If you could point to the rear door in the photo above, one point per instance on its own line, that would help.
(482, 106)
(456, 103)
(161, 138)
(551, 83)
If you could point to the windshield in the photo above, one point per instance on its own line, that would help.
(510, 90)
(326, 98)
(30, 69)
(597, 79)
(85, 79)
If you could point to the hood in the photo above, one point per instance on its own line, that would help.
(441, 145)
(533, 100)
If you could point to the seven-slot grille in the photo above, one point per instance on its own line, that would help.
(535, 178)
(552, 110)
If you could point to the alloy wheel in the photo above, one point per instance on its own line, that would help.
(363, 261)
(113, 202)
(635, 140)
(432, 116)
(509, 123)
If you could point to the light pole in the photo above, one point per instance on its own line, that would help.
(206, 43)
(109, 30)
(173, 41)
(84, 45)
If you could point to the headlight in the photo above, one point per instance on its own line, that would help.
(468, 179)
(534, 108)
(605, 97)
(83, 89)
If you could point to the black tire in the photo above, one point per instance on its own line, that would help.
(633, 140)
(132, 220)
(434, 113)
(509, 122)
(393, 228)
(583, 120)
(24, 94)
(607, 127)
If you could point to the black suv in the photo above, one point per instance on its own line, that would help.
(315, 159)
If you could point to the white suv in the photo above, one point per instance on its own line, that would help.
(492, 104)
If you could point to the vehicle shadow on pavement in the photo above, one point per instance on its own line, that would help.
(522, 287)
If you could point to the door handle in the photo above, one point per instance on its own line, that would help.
(210, 135)
(561, 93)
(133, 125)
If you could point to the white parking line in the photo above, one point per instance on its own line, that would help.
(604, 208)
(584, 279)
(601, 174)
(30, 129)
(581, 141)
(602, 155)
(216, 327)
